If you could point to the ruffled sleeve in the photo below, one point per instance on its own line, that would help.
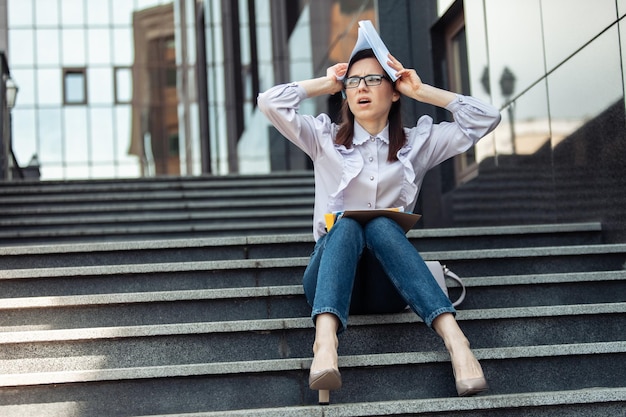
(352, 165)
(409, 188)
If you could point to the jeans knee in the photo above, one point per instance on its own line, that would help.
(349, 229)
(381, 229)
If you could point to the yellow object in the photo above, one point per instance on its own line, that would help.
(329, 218)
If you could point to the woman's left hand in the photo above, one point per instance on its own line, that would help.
(408, 82)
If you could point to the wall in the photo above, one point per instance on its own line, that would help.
(563, 122)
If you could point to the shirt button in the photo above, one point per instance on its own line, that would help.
(372, 138)
(369, 205)
(371, 159)
(372, 178)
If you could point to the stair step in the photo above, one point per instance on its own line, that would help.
(155, 231)
(227, 182)
(606, 277)
(146, 196)
(398, 376)
(288, 271)
(539, 260)
(183, 306)
(128, 220)
(574, 403)
(123, 209)
(249, 340)
(99, 310)
(299, 364)
(288, 245)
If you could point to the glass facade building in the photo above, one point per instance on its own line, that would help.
(129, 88)
(98, 80)
(556, 69)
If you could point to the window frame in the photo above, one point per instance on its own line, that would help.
(70, 71)
(465, 165)
(116, 97)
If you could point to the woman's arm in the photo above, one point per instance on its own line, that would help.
(280, 105)
(411, 85)
(329, 84)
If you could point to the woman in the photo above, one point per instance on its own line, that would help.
(371, 161)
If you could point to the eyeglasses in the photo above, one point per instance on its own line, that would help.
(370, 80)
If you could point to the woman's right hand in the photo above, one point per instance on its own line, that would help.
(328, 84)
(334, 74)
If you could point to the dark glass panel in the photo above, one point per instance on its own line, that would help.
(588, 135)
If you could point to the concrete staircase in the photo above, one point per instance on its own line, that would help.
(183, 207)
(94, 322)
(525, 192)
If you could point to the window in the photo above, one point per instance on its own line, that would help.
(74, 86)
(450, 55)
(458, 78)
(123, 85)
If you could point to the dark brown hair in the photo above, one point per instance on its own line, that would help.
(397, 137)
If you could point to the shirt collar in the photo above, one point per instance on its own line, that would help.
(361, 135)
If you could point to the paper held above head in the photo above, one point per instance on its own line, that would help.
(369, 38)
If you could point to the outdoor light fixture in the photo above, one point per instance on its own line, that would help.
(507, 83)
(11, 92)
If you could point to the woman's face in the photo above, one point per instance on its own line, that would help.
(370, 103)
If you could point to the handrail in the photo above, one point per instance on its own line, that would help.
(16, 166)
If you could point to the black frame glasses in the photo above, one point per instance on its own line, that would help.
(370, 80)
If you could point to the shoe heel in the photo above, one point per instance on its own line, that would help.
(324, 397)
(325, 381)
(472, 386)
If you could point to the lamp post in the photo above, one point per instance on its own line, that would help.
(11, 92)
(484, 80)
(10, 95)
(507, 86)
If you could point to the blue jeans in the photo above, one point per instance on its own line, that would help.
(370, 269)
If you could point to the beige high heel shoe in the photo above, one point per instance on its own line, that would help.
(328, 378)
(471, 386)
(325, 381)
(446, 326)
